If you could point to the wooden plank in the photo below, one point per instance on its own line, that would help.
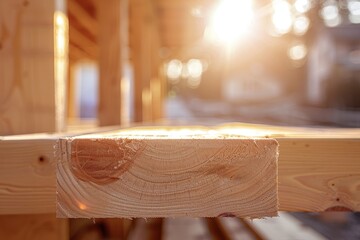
(136, 40)
(27, 172)
(27, 88)
(161, 176)
(112, 39)
(323, 173)
(308, 160)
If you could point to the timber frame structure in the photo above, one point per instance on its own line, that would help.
(318, 169)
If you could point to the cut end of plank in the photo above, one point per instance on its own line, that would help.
(145, 175)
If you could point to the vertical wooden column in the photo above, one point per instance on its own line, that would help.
(144, 54)
(113, 54)
(112, 15)
(28, 91)
(33, 65)
(156, 84)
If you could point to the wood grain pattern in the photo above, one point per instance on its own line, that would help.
(27, 86)
(323, 173)
(27, 172)
(162, 177)
(27, 175)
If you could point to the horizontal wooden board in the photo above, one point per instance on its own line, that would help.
(162, 176)
(310, 162)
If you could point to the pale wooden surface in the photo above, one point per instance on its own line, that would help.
(321, 174)
(27, 86)
(159, 176)
(306, 164)
(27, 176)
(27, 172)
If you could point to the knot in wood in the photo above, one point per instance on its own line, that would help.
(103, 161)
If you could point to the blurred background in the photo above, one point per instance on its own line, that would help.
(278, 62)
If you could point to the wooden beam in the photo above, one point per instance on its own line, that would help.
(136, 40)
(27, 175)
(77, 53)
(83, 17)
(83, 42)
(33, 69)
(323, 173)
(27, 172)
(310, 162)
(113, 43)
(125, 175)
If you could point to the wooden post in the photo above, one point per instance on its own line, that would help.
(33, 71)
(144, 55)
(28, 89)
(113, 42)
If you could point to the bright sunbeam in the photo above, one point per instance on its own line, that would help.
(230, 21)
(282, 18)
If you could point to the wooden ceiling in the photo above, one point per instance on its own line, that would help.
(178, 26)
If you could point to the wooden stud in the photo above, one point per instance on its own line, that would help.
(145, 44)
(28, 90)
(33, 69)
(112, 21)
